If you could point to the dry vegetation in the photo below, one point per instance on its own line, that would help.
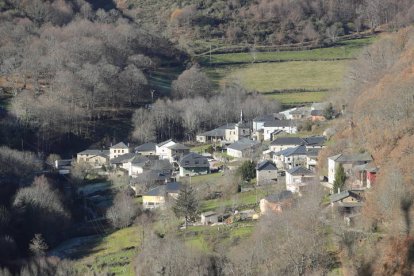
(379, 118)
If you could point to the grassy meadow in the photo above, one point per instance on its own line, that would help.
(291, 77)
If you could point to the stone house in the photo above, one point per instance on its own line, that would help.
(193, 164)
(266, 172)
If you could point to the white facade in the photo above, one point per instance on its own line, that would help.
(163, 151)
(268, 130)
(234, 153)
(115, 152)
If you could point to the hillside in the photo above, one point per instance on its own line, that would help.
(379, 119)
(198, 25)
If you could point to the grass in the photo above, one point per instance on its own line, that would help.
(299, 97)
(207, 178)
(113, 254)
(237, 201)
(295, 75)
(347, 49)
(200, 148)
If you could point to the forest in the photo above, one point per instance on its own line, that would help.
(76, 75)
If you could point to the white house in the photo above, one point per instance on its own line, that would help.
(288, 126)
(161, 149)
(242, 148)
(348, 161)
(146, 149)
(118, 150)
(297, 178)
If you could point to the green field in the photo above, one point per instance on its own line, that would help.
(299, 97)
(113, 254)
(295, 75)
(344, 50)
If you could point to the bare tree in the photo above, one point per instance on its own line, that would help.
(123, 211)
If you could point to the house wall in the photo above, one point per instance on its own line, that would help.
(113, 153)
(163, 151)
(193, 171)
(258, 125)
(147, 153)
(241, 132)
(295, 179)
(209, 220)
(235, 153)
(201, 138)
(265, 176)
(231, 135)
(331, 171)
(318, 118)
(94, 160)
(151, 202)
(134, 170)
(268, 131)
(267, 207)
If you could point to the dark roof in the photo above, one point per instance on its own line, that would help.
(300, 171)
(171, 187)
(218, 132)
(342, 195)
(299, 150)
(280, 196)
(127, 157)
(315, 140)
(103, 153)
(349, 158)
(227, 126)
(265, 118)
(120, 145)
(280, 123)
(243, 125)
(162, 164)
(146, 147)
(317, 113)
(178, 146)
(164, 143)
(193, 160)
(282, 141)
(243, 144)
(266, 165)
(152, 175)
(313, 153)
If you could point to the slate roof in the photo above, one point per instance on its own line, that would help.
(171, 187)
(342, 195)
(218, 132)
(313, 153)
(265, 118)
(103, 153)
(146, 147)
(317, 112)
(266, 165)
(243, 144)
(164, 143)
(163, 165)
(350, 158)
(193, 160)
(299, 150)
(152, 175)
(315, 140)
(178, 146)
(282, 141)
(279, 197)
(129, 157)
(280, 123)
(300, 171)
(120, 145)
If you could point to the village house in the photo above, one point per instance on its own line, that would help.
(118, 150)
(317, 115)
(209, 218)
(242, 148)
(288, 126)
(171, 150)
(193, 164)
(312, 156)
(93, 157)
(348, 161)
(348, 203)
(266, 173)
(298, 178)
(276, 203)
(282, 143)
(300, 113)
(290, 157)
(364, 175)
(124, 161)
(157, 197)
(259, 122)
(149, 178)
(146, 149)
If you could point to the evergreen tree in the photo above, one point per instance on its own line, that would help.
(247, 170)
(340, 178)
(186, 204)
(329, 112)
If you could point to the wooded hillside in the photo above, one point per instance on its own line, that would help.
(379, 108)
